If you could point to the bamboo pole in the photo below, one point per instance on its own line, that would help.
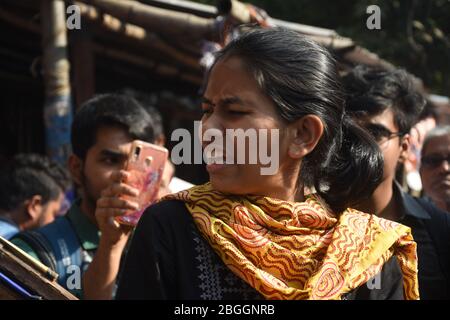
(239, 11)
(131, 31)
(115, 54)
(159, 68)
(83, 62)
(182, 25)
(19, 22)
(108, 22)
(329, 38)
(58, 104)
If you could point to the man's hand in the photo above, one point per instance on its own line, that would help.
(116, 200)
(100, 277)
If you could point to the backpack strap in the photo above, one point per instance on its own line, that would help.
(57, 246)
(66, 246)
(40, 246)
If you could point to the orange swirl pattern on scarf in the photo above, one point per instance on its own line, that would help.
(297, 250)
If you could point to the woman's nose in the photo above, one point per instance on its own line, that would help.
(212, 122)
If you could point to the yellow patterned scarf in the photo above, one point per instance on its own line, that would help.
(297, 250)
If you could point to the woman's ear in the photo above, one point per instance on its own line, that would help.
(306, 133)
(405, 146)
(75, 165)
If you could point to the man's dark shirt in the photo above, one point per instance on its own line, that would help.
(430, 237)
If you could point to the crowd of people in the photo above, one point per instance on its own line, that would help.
(332, 223)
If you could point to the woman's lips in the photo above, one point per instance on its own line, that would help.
(214, 167)
(214, 164)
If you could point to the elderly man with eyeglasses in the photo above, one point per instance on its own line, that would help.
(435, 167)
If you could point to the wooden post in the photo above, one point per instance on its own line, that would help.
(58, 102)
(177, 24)
(82, 57)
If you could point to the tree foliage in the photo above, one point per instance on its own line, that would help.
(414, 34)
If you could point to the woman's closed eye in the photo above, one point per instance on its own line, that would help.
(237, 112)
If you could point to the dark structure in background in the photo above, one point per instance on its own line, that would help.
(152, 46)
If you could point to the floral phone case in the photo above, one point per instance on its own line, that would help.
(145, 163)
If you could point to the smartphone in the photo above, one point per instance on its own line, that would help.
(146, 164)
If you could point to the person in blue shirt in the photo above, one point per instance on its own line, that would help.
(31, 193)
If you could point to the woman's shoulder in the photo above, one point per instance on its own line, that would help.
(167, 211)
(165, 223)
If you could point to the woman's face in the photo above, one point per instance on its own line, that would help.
(233, 100)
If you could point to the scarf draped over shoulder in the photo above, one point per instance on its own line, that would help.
(299, 250)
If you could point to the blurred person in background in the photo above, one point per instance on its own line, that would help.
(388, 104)
(435, 167)
(32, 191)
(427, 121)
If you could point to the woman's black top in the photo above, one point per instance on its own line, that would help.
(169, 259)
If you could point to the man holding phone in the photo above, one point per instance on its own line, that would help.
(86, 240)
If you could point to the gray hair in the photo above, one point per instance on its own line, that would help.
(439, 131)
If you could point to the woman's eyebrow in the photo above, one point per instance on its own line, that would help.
(224, 101)
(231, 100)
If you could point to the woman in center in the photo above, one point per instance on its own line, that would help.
(245, 235)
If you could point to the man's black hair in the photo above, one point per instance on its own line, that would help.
(147, 102)
(39, 162)
(25, 176)
(109, 110)
(429, 111)
(370, 91)
(157, 119)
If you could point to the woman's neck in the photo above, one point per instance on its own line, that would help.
(288, 194)
(287, 186)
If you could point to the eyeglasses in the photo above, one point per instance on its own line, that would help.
(381, 134)
(435, 160)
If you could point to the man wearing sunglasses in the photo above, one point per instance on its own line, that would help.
(388, 104)
(435, 166)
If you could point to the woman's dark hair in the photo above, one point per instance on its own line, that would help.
(109, 110)
(301, 78)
